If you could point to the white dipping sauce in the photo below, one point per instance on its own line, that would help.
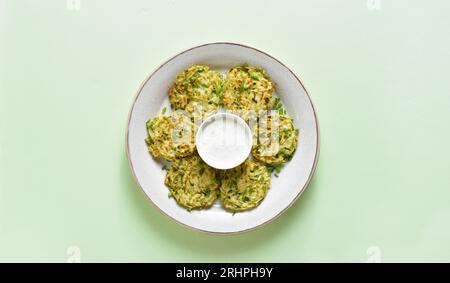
(224, 141)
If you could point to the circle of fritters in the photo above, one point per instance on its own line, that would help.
(171, 137)
(192, 182)
(276, 139)
(197, 90)
(245, 186)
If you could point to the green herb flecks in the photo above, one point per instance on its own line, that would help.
(274, 168)
(218, 90)
(243, 87)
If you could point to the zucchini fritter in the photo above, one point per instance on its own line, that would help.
(197, 90)
(171, 137)
(247, 88)
(276, 139)
(245, 186)
(192, 182)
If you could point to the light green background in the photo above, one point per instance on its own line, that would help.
(379, 80)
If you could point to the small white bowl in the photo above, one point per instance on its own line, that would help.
(224, 140)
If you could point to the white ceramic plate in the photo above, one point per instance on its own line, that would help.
(284, 190)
